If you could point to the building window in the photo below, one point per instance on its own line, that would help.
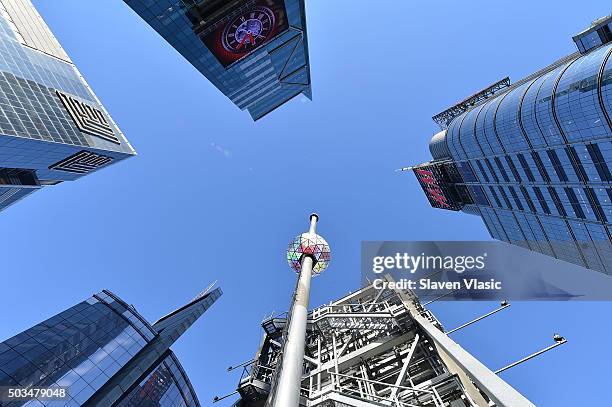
(552, 154)
(479, 196)
(573, 200)
(532, 207)
(600, 163)
(516, 198)
(466, 171)
(515, 172)
(542, 201)
(482, 171)
(14, 176)
(576, 163)
(557, 201)
(499, 205)
(493, 174)
(595, 205)
(540, 165)
(502, 170)
(526, 168)
(505, 197)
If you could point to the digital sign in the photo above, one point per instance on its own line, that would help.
(439, 195)
(245, 32)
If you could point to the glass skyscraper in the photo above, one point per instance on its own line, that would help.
(254, 51)
(102, 352)
(52, 126)
(534, 158)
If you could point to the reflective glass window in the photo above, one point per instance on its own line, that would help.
(507, 121)
(586, 245)
(557, 201)
(599, 162)
(493, 225)
(606, 85)
(512, 228)
(482, 174)
(525, 167)
(489, 125)
(469, 142)
(528, 199)
(540, 166)
(528, 113)
(80, 348)
(452, 139)
(513, 168)
(544, 113)
(504, 195)
(487, 110)
(541, 200)
(561, 239)
(495, 197)
(573, 198)
(515, 197)
(577, 101)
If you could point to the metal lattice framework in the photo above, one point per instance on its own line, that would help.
(370, 348)
(444, 118)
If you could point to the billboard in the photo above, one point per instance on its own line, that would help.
(246, 30)
(437, 190)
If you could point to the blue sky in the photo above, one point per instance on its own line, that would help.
(214, 196)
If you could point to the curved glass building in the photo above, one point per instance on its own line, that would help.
(101, 352)
(533, 158)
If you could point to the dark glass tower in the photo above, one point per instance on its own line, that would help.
(52, 126)
(254, 51)
(104, 353)
(533, 158)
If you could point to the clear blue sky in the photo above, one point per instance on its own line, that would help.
(214, 196)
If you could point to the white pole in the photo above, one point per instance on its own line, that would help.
(290, 379)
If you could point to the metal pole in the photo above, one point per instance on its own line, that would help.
(533, 355)
(217, 398)
(440, 297)
(290, 379)
(506, 305)
(248, 362)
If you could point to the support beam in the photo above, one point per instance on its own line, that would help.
(402, 374)
(345, 346)
(496, 389)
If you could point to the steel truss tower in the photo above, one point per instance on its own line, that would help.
(376, 348)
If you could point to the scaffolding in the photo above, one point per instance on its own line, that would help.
(376, 348)
(444, 118)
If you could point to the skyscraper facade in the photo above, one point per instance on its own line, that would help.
(52, 126)
(534, 158)
(101, 352)
(254, 51)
